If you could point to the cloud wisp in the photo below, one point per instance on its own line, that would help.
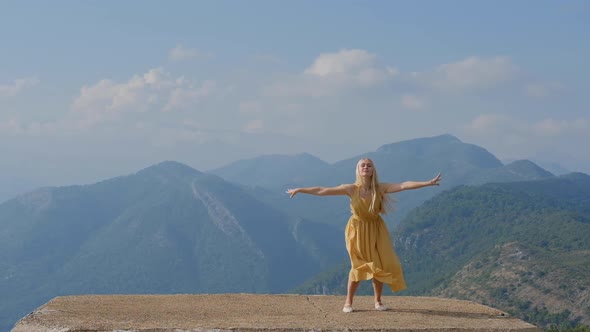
(17, 86)
(468, 75)
(181, 53)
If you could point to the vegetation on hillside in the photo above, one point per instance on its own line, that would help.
(167, 229)
(170, 228)
(521, 247)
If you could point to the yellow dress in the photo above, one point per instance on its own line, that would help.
(369, 246)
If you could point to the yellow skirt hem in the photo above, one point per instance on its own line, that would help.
(393, 283)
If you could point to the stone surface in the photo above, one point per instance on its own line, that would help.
(250, 312)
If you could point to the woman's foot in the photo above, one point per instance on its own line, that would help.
(347, 308)
(379, 306)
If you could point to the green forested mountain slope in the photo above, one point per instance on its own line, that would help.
(502, 244)
(165, 229)
(466, 221)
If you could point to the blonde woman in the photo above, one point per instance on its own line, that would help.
(367, 239)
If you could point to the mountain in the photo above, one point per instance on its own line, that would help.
(165, 229)
(170, 228)
(553, 167)
(527, 170)
(272, 171)
(14, 186)
(417, 159)
(520, 246)
(519, 170)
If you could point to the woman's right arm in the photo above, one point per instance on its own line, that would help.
(343, 189)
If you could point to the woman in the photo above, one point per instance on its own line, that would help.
(367, 238)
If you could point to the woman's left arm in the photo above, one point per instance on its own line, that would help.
(389, 188)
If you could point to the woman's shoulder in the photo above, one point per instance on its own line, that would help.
(350, 188)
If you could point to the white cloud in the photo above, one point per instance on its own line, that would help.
(392, 71)
(472, 73)
(15, 127)
(549, 127)
(154, 90)
(498, 125)
(334, 73)
(181, 52)
(540, 90)
(343, 62)
(254, 126)
(250, 106)
(516, 138)
(165, 137)
(11, 127)
(581, 124)
(413, 102)
(295, 87)
(552, 127)
(107, 96)
(355, 66)
(185, 95)
(11, 90)
(487, 122)
(155, 76)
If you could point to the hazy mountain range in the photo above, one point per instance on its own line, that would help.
(172, 229)
(419, 159)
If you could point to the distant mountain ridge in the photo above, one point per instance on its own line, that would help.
(272, 171)
(417, 159)
(553, 167)
(165, 229)
(442, 147)
(519, 170)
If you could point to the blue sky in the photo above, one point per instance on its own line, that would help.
(95, 89)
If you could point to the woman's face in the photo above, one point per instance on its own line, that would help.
(365, 168)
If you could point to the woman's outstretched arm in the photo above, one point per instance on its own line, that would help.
(343, 189)
(389, 188)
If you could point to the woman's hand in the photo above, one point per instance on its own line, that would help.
(436, 180)
(292, 192)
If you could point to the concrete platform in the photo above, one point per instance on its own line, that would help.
(250, 312)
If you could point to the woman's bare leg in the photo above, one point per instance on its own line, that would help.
(351, 289)
(378, 289)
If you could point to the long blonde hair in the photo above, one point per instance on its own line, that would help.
(378, 202)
